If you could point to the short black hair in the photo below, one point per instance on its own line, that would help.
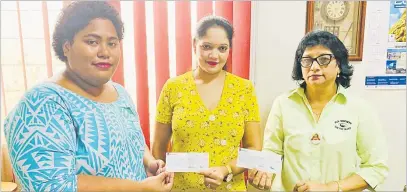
(214, 21)
(77, 16)
(331, 42)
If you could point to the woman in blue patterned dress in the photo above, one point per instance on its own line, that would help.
(79, 131)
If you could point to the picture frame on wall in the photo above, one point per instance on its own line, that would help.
(345, 19)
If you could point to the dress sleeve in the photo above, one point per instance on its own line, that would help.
(42, 142)
(164, 106)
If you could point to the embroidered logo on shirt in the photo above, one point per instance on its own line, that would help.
(343, 124)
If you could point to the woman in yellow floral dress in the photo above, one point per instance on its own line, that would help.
(209, 110)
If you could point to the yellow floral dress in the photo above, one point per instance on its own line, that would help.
(197, 129)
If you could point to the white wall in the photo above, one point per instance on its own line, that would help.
(278, 27)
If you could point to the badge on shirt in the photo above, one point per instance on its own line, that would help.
(316, 138)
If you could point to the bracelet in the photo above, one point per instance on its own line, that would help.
(339, 186)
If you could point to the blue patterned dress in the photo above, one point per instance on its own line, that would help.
(54, 134)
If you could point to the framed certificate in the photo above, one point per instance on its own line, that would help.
(345, 19)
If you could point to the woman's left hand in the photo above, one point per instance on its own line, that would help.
(214, 176)
(155, 167)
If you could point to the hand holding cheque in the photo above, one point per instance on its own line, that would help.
(263, 166)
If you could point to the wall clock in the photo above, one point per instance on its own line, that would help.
(335, 10)
(345, 19)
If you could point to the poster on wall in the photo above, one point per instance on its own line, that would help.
(397, 24)
(392, 72)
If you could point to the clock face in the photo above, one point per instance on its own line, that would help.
(336, 17)
(335, 10)
(344, 19)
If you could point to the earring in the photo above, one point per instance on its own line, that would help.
(337, 75)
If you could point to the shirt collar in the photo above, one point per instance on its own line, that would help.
(341, 92)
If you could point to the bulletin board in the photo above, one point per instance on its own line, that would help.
(385, 48)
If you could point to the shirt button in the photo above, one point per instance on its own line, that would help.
(229, 186)
(202, 143)
(212, 117)
(223, 142)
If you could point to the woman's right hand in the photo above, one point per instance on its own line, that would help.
(161, 182)
(261, 180)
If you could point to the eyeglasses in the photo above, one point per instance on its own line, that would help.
(322, 60)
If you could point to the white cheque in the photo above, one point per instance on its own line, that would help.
(260, 160)
(187, 162)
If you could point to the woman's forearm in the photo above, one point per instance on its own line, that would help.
(162, 137)
(235, 169)
(148, 157)
(351, 183)
(159, 152)
(98, 183)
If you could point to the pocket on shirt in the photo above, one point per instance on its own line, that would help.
(341, 132)
(129, 114)
(341, 140)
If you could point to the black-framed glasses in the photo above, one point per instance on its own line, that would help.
(322, 60)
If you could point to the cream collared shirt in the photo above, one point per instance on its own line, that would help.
(350, 140)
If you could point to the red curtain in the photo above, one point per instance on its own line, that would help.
(118, 76)
(183, 39)
(140, 54)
